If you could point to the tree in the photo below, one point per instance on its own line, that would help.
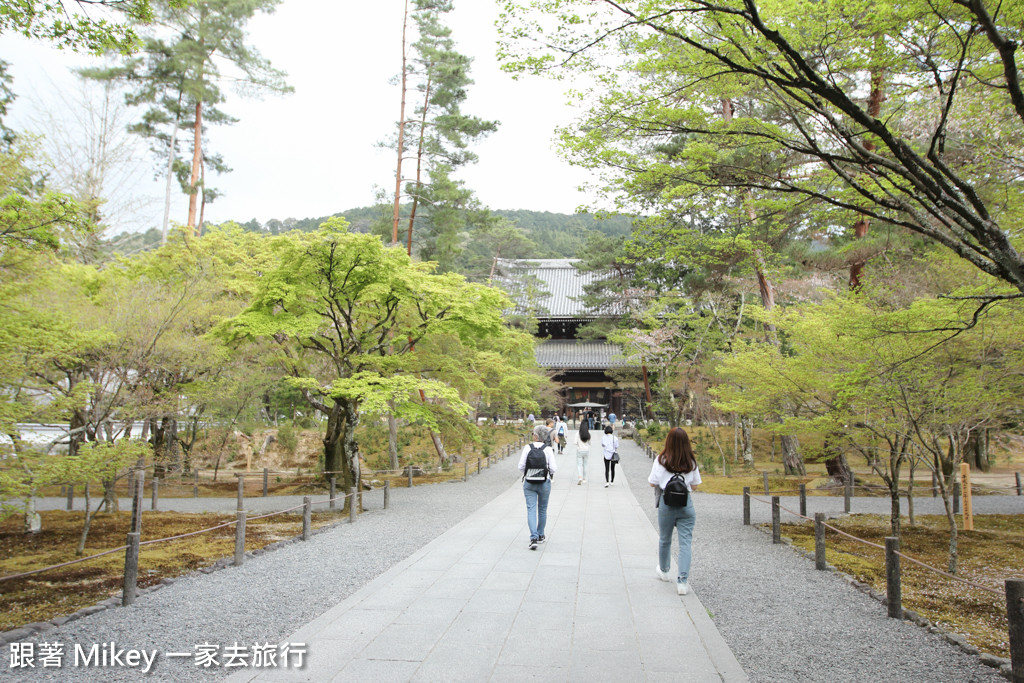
(349, 317)
(180, 79)
(929, 167)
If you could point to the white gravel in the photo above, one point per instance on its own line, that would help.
(784, 620)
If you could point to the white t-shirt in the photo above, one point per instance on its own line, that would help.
(609, 444)
(660, 476)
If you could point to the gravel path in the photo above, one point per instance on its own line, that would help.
(784, 621)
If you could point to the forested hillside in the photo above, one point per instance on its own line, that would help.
(555, 235)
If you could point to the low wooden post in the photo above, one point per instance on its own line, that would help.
(965, 473)
(266, 481)
(1019, 491)
(803, 499)
(353, 505)
(478, 465)
(819, 541)
(1015, 615)
(241, 491)
(465, 470)
(776, 520)
(893, 594)
(71, 494)
(847, 495)
(488, 462)
(410, 475)
(154, 494)
(334, 491)
(307, 516)
(767, 491)
(195, 485)
(387, 492)
(746, 506)
(240, 539)
(956, 498)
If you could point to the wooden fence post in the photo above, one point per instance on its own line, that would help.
(965, 473)
(334, 491)
(746, 506)
(155, 494)
(819, 541)
(847, 495)
(71, 494)
(776, 520)
(478, 465)
(307, 516)
(195, 485)
(266, 481)
(803, 499)
(410, 475)
(893, 594)
(241, 491)
(240, 539)
(465, 470)
(1015, 615)
(353, 505)
(387, 492)
(1019, 491)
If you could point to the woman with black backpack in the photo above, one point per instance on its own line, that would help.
(676, 474)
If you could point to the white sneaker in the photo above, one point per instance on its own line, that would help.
(682, 587)
(584, 481)
(606, 484)
(662, 575)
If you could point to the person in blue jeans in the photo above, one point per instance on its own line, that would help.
(676, 458)
(537, 492)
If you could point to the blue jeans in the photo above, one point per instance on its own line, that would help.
(537, 506)
(681, 519)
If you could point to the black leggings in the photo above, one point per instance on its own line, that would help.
(609, 464)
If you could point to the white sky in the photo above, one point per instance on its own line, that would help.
(313, 152)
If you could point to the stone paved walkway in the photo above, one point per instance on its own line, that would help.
(476, 604)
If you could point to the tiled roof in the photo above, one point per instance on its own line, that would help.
(570, 354)
(554, 286)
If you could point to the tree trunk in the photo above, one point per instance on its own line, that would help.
(860, 228)
(392, 437)
(341, 452)
(792, 463)
(747, 427)
(87, 524)
(401, 132)
(976, 451)
(197, 155)
(110, 501)
(33, 522)
(835, 465)
(170, 178)
(910, 491)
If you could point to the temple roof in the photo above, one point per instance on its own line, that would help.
(547, 288)
(569, 354)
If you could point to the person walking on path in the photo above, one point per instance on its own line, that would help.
(582, 453)
(560, 431)
(676, 459)
(610, 449)
(537, 463)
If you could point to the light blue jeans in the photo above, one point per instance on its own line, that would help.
(681, 519)
(537, 506)
(581, 463)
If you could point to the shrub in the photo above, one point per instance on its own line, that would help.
(288, 437)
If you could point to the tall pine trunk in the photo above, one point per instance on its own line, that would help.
(169, 184)
(418, 183)
(401, 132)
(197, 155)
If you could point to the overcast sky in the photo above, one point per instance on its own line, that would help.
(313, 152)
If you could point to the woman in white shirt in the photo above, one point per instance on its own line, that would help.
(582, 453)
(609, 447)
(676, 458)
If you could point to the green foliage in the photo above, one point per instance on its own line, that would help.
(288, 437)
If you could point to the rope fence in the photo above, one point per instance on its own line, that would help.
(1013, 592)
(353, 496)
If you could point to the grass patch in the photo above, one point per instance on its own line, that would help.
(58, 592)
(987, 556)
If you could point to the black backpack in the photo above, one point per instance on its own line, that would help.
(536, 464)
(676, 492)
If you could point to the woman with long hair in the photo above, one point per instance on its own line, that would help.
(610, 449)
(676, 459)
(582, 453)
